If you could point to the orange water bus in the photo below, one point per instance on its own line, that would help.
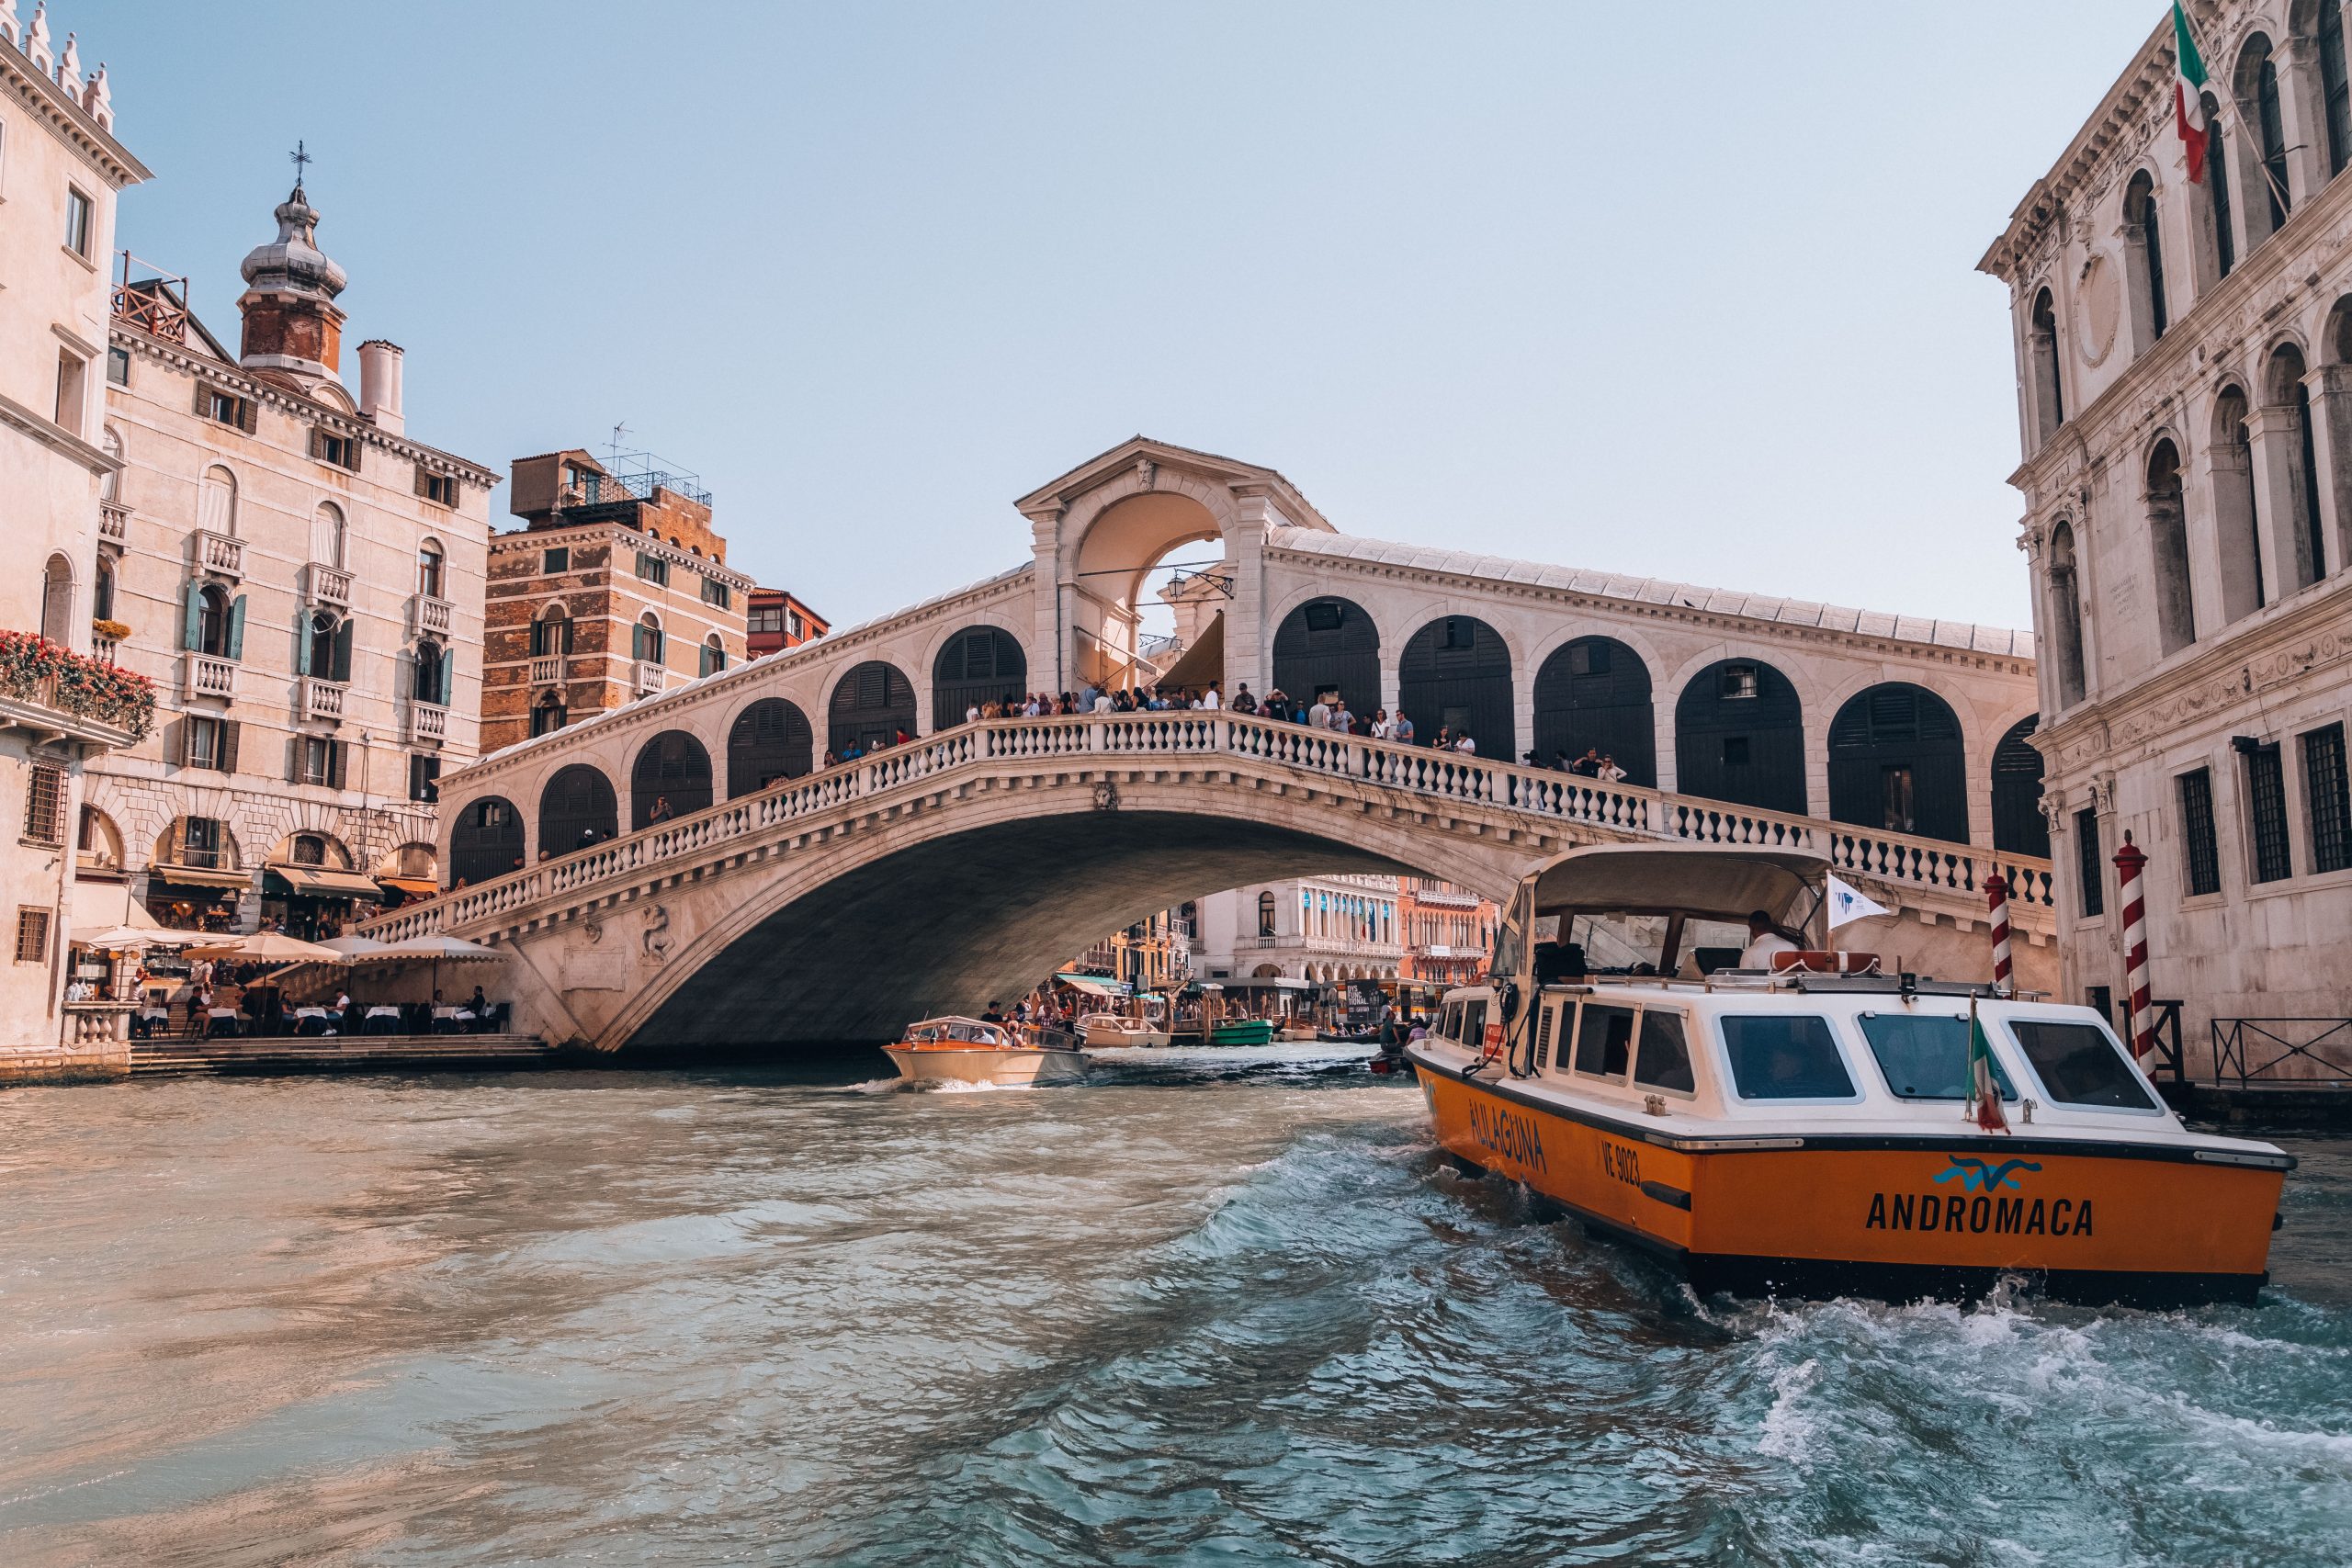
(970, 1050)
(1789, 1131)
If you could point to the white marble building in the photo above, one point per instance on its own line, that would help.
(1321, 929)
(2185, 402)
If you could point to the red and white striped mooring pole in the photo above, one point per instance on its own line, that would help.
(2129, 862)
(1996, 895)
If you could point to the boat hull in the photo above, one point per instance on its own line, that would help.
(1002, 1069)
(1246, 1032)
(1101, 1038)
(1896, 1218)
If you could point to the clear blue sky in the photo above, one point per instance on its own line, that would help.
(1683, 290)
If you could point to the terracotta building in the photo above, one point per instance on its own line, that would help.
(778, 620)
(615, 588)
(1447, 929)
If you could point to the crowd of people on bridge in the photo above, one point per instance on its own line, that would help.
(1327, 711)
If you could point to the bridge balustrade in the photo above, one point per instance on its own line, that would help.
(1900, 858)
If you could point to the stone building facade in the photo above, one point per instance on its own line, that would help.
(2184, 349)
(1324, 930)
(1449, 930)
(61, 168)
(301, 580)
(616, 588)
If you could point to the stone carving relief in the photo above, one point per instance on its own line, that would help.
(2330, 646)
(2099, 307)
(656, 933)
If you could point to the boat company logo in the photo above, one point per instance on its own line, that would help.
(1508, 1132)
(1984, 1212)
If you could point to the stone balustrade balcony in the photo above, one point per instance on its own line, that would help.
(323, 699)
(220, 553)
(649, 677)
(434, 616)
(330, 586)
(428, 724)
(208, 677)
(547, 669)
(114, 522)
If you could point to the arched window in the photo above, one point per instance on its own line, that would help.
(770, 741)
(2220, 216)
(977, 666)
(309, 848)
(431, 672)
(57, 600)
(486, 840)
(2304, 540)
(1897, 762)
(319, 646)
(326, 536)
(1739, 736)
(548, 713)
(645, 639)
(577, 809)
(111, 443)
(431, 574)
(1329, 645)
(552, 633)
(2335, 94)
(714, 655)
(216, 501)
(1594, 696)
(2168, 539)
(1266, 911)
(2065, 615)
(2049, 392)
(213, 621)
(102, 592)
(1454, 675)
(2144, 250)
(2236, 525)
(671, 779)
(2018, 827)
(872, 706)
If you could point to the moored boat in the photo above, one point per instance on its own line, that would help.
(970, 1050)
(1106, 1030)
(1816, 1134)
(1242, 1031)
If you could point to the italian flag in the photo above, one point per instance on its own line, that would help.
(1983, 1087)
(2189, 94)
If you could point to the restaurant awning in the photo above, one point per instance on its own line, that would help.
(1093, 986)
(102, 906)
(198, 876)
(320, 882)
(414, 886)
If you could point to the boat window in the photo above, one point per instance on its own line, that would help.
(2078, 1064)
(1474, 1024)
(1665, 1058)
(1926, 1057)
(1452, 1027)
(1604, 1040)
(1786, 1058)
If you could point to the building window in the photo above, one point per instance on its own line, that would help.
(2198, 838)
(80, 217)
(225, 408)
(556, 560)
(308, 849)
(2217, 180)
(652, 569)
(1738, 680)
(2087, 864)
(45, 806)
(2266, 793)
(2333, 87)
(441, 489)
(429, 571)
(340, 450)
(209, 742)
(714, 655)
(552, 633)
(768, 620)
(424, 777)
(715, 592)
(2271, 119)
(69, 395)
(32, 935)
(1265, 914)
(318, 760)
(549, 717)
(2328, 796)
(433, 673)
(645, 641)
(792, 622)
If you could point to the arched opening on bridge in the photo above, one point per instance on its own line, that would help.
(979, 665)
(1739, 737)
(771, 740)
(1148, 608)
(1329, 645)
(2018, 825)
(1455, 676)
(486, 840)
(577, 809)
(1895, 762)
(1594, 696)
(871, 705)
(672, 770)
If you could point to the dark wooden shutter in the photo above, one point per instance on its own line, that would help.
(423, 479)
(343, 636)
(335, 751)
(175, 743)
(293, 759)
(203, 397)
(248, 415)
(229, 727)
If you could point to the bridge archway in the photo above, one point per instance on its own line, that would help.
(871, 703)
(1594, 694)
(672, 766)
(1739, 737)
(486, 840)
(769, 740)
(1329, 644)
(1455, 674)
(2018, 825)
(976, 666)
(577, 809)
(1112, 564)
(1897, 761)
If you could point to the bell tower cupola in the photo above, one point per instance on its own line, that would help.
(293, 329)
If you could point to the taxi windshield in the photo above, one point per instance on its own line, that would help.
(1925, 1057)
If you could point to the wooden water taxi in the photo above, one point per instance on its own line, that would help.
(1103, 1030)
(969, 1050)
(1782, 1131)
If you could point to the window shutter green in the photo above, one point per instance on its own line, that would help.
(448, 683)
(343, 650)
(237, 626)
(192, 638)
(303, 642)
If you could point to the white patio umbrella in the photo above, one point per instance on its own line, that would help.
(355, 948)
(271, 947)
(438, 950)
(117, 938)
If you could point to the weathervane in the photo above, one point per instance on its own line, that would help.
(302, 160)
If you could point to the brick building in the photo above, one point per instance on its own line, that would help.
(779, 620)
(615, 588)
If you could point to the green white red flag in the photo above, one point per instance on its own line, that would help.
(1983, 1086)
(2189, 94)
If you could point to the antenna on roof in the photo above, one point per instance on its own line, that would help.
(620, 433)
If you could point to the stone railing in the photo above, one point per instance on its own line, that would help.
(97, 1023)
(211, 677)
(329, 585)
(218, 552)
(434, 616)
(321, 699)
(428, 723)
(114, 522)
(1436, 776)
(650, 676)
(547, 669)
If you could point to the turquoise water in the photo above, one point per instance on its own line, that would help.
(1226, 1308)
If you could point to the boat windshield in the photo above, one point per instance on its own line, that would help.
(1786, 1056)
(1926, 1057)
(2078, 1064)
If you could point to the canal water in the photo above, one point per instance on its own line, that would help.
(1222, 1308)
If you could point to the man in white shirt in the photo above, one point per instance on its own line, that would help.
(972, 714)
(1210, 701)
(1466, 746)
(1763, 940)
(1103, 703)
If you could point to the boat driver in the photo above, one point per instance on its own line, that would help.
(1764, 939)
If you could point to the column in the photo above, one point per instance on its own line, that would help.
(2330, 391)
(2279, 496)
(1248, 643)
(2302, 113)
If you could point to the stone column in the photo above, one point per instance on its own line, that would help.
(2331, 393)
(1248, 642)
(2279, 495)
(2302, 113)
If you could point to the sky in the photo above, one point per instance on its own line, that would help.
(1686, 291)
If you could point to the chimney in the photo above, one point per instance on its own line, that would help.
(380, 384)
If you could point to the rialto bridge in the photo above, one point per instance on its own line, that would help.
(787, 901)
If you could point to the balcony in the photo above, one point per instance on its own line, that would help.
(649, 677)
(54, 693)
(547, 671)
(220, 553)
(434, 616)
(114, 522)
(428, 724)
(330, 586)
(323, 699)
(211, 677)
